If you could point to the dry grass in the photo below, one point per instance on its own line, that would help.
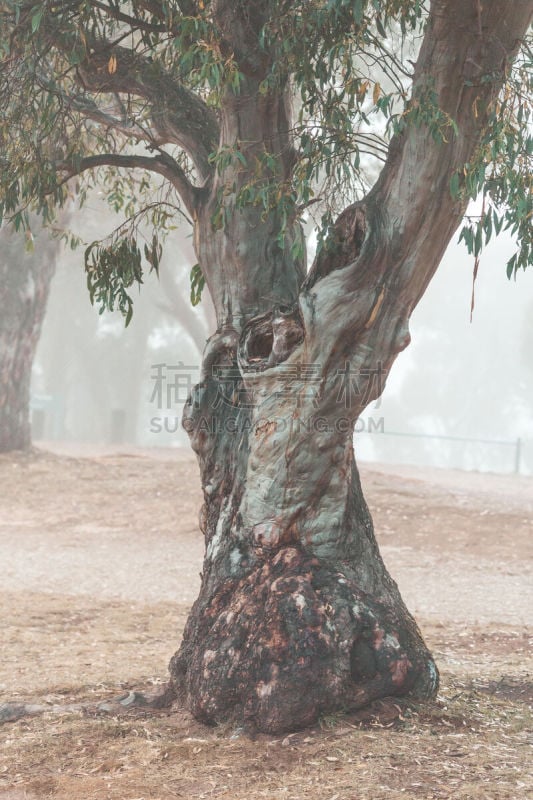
(62, 643)
(471, 743)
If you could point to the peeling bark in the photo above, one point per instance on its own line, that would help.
(297, 615)
(311, 639)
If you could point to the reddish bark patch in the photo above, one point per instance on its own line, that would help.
(292, 640)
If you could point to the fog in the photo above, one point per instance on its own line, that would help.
(461, 378)
(94, 381)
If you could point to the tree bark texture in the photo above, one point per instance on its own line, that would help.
(297, 615)
(25, 280)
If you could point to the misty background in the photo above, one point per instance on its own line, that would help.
(94, 381)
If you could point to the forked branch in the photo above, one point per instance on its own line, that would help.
(410, 214)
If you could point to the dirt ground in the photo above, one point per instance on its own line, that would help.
(100, 557)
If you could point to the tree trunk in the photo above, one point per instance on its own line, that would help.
(297, 615)
(25, 280)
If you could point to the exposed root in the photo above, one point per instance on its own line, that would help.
(161, 698)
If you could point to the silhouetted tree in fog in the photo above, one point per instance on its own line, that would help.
(25, 278)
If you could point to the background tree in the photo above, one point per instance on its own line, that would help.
(255, 114)
(26, 271)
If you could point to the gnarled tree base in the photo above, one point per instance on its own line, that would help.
(292, 640)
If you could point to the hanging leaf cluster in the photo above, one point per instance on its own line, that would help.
(114, 268)
(197, 284)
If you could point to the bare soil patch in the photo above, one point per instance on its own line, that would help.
(100, 558)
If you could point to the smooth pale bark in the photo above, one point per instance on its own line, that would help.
(25, 280)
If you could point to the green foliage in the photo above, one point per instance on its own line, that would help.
(423, 110)
(197, 284)
(114, 267)
(199, 55)
(350, 85)
(73, 84)
(501, 175)
(48, 120)
(110, 272)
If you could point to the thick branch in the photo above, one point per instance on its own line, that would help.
(162, 164)
(464, 60)
(356, 310)
(240, 23)
(410, 215)
(177, 115)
